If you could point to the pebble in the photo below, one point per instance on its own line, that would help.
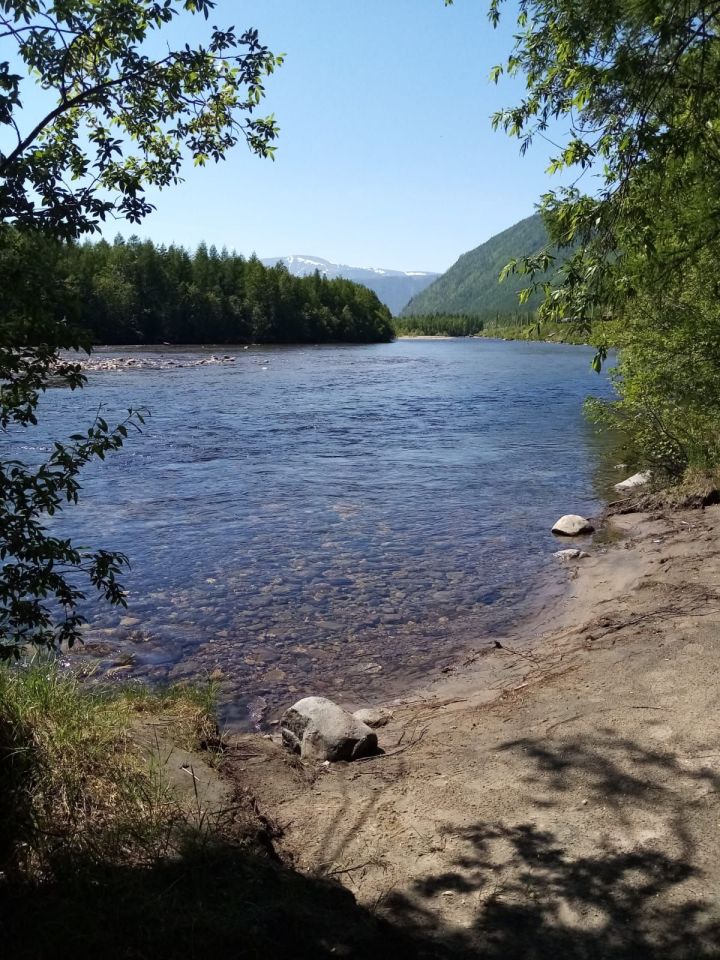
(571, 554)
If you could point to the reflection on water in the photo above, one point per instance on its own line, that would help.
(323, 519)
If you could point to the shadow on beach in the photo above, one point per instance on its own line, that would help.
(532, 895)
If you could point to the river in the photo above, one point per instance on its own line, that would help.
(328, 519)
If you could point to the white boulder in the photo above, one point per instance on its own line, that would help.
(572, 525)
(636, 480)
(319, 729)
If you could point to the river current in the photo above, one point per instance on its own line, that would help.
(327, 519)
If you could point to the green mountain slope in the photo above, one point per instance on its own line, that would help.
(471, 285)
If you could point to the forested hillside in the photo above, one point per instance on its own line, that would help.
(635, 87)
(137, 292)
(471, 286)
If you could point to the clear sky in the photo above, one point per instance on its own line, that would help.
(386, 154)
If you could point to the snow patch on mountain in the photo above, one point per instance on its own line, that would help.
(394, 287)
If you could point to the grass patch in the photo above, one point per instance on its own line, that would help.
(75, 780)
(696, 489)
(101, 855)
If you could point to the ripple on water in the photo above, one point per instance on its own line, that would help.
(354, 516)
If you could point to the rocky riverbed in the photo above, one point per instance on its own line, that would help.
(344, 518)
(94, 364)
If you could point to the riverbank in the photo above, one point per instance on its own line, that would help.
(547, 332)
(544, 333)
(558, 796)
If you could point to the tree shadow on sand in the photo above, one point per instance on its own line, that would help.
(532, 893)
(541, 896)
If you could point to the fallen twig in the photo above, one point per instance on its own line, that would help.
(359, 866)
(501, 646)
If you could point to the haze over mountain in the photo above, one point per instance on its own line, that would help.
(394, 287)
(472, 286)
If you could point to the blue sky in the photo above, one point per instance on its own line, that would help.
(386, 154)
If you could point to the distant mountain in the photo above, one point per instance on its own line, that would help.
(471, 285)
(393, 287)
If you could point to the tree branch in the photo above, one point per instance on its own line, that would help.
(75, 101)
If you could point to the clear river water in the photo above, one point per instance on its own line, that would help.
(328, 519)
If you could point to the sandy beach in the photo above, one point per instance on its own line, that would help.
(556, 795)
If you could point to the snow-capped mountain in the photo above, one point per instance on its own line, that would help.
(394, 287)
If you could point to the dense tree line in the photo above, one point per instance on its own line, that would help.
(121, 114)
(439, 324)
(486, 323)
(135, 291)
(634, 240)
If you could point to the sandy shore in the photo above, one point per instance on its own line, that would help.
(556, 797)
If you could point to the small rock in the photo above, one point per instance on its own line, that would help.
(636, 480)
(566, 555)
(319, 729)
(374, 717)
(116, 671)
(572, 525)
(94, 649)
(126, 659)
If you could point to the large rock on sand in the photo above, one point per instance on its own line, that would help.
(571, 525)
(636, 480)
(319, 729)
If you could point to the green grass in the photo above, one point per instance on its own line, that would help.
(75, 782)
